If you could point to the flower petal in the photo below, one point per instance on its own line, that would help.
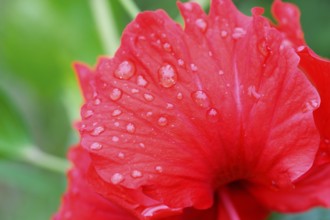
(178, 114)
(310, 191)
(81, 202)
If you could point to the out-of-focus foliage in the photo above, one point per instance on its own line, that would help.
(39, 96)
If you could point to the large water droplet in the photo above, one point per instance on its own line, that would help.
(162, 121)
(97, 130)
(201, 99)
(201, 24)
(238, 33)
(148, 97)
(167, 75)
(125, 70)
(141, 81)
(87, 113)
(117, 178)
(136, 174)
(212, 115)
(95, 146)
(130, 128)
(115, 94)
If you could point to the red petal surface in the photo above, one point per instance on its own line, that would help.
(81, 202)
(310, 191)
(178, 114)
(316, 68)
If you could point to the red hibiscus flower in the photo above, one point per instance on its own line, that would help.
(227, 118)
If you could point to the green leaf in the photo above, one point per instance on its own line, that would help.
(314, 214)
(13, 131)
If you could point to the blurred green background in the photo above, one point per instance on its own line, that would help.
(40, 98)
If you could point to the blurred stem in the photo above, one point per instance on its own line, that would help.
(130, 7)
(106, 25)
(36, 157)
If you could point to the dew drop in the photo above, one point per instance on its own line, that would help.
(238, 33)
(301, 48)
(221, 72)
(169, 106)
(97, 101)
(149, 114)
(201, 24)
(148, 97)
(179, 96)
(167, 76)
(88, 113)
(224, 34)
(130, 128)
(201, 99)
(159, 169)
(136, 174)
(115, 94)
(162, 121)
(252, 92)
(188, 6)
(212, 115)
(142, 145)
(125, 70)
(193, 67)
(180, 62)
(141, 81)
(116, 112)
(135, 91)
(115, 139)
(95, 146)
(311, 105)
(121, 155)
(117, 178)
(116, 124)
(97, 130)
(167, 47)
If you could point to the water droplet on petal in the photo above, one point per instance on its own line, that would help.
(167, 47)
(167, 75)
(311, 105)
(117, 178)
(116, 112)
(159, 169)
(221, 72)
(212, 115)
(238, 33)
(179, 96)
(252, 92)
(136, 174)
(125, 70)
(201, 24)
(141, 81)
(115, 94)
(97, 130)
(95, 146)
(148, 97)
(180, 62)
(169, 106)
(142, 145)
(97, 101)
(301, 48)
(121, 155)
(201, 99)
(188, 6)
(116, 124)
(130, 128)
(224, 34)
(162, 121)
(193, 67)
(149, 114)
(115, 139)
(87, 113)
(134, 91)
